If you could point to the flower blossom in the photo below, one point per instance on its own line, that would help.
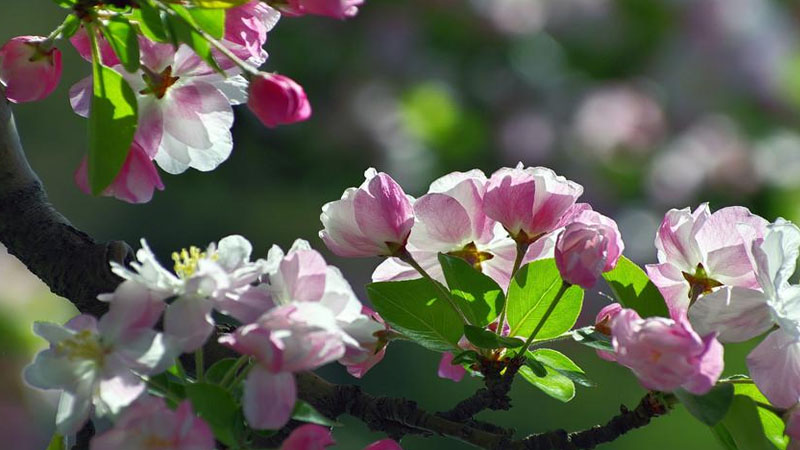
(374, 219)
(99, 363)
(449, 370)
(590, 245)
(220, 278)
(148, 423)
(666, 354)
(338, 9)
(317, 319)
(30, 68)
(277, 100)
(699, 251)
(136, 181)
(246, 28)
(602, 324)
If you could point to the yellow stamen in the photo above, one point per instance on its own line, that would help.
(186, 261)
(83, 346)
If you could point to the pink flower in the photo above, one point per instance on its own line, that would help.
(602, 324)
(587, 247)
(450, 371)
(246, 28)
(135, 182)
(80, 40)
(338, 9)
(666, 355)
(774, 366)
(30, 68)
(359, 361)
(99, 363)
(277, 100)
(793, 425)
(450, 219)
(529, 202)
(372, 220)
(698, 251)
(308, 437)
(149, 422)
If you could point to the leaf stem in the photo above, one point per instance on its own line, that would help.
(522, 248)
(198, 364)
(234, 368)
(550, 309)
(406, 257)
(238, 379)
(180, 369)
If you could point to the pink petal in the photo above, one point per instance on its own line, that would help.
(448, 370)
(775, 368)
(268, 398)
(308, 437)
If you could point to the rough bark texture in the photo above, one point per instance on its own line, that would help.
(494, 396)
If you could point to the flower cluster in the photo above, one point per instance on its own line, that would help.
(183, 97)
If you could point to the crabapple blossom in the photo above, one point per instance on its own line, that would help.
(449, 370)
(246, 28)
(338, 9)
(587, 247)
(217, 278)
(100, 363)
(277, 100)
(136, 181)
(450, 219)
(792, 418)
(83, 45)
(148, 423)
(374, 219)
(30, 68)
(602, 324)
(666, 354)
(699, 251)
(359, 361)
(529, 202)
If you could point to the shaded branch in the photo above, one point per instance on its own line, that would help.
(494, 396)
(70, 262)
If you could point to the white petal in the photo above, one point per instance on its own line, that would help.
(73, 412)
(737, 314)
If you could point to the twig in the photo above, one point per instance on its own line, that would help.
(494, 396)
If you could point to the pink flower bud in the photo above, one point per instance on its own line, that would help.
(602, 324)
(338, 9)
(450, 371)
(371, 220)
(529, 202)
(588, 247)
(277, 100)
(29, 70)
(666, 355)
(309, 437)
(135, 182)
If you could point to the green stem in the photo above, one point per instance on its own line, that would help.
(550, 309)
(181, 370)
(244, 65)
(198, 364)
(568, 336)
(232, 371)
(522, 248)
(738, 381)
(238, 379)
(406, 257)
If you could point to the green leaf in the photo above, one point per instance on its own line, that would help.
(67, 4)
(724, 436)
(217, 371)
(70, 26)
(220, 4)
(416, 309)
(217, 407)
(180, 27)
(773, 424)
(634, 289)
(212, 21)
(553, 383)
(57, 443)
(592, 338)
(465, 357)
(711, 407)
(533, 293)
(477, 295)
(304, 412)
(151, 22)
(483, 338)
(538, 368)
(562, 364)
(112, 124)
(121, 35)
(743, 426)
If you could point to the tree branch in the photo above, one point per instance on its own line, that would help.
(494, 396)
(70, 262)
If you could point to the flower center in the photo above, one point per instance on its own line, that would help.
(186, 261)
(700, 283)
(158, 83)
(83, 346)
(472, 255)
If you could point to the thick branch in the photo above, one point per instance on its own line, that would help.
(70, 262)
(494, 396)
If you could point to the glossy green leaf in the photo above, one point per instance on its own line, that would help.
(538, 368)
(562, 364)
(416, 309)
(590, 337)
(70, 26)
(219, 4)
(774, 426)
(217, 407)
(218, 370)
(477, 295)
(743, 426)
(151, 22)
(553, 383)
(634, 289)
(711, 407)
(67, 4)
(533, 299)
(122, 38)
(724, 437)
(304, 412)
(180, 26)
(212, 21)
(112, 124)
(465, 357)
(56, 443)
(483, 338)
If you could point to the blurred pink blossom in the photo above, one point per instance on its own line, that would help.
(30, 68)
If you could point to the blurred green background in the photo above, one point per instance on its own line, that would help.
(650, 104)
